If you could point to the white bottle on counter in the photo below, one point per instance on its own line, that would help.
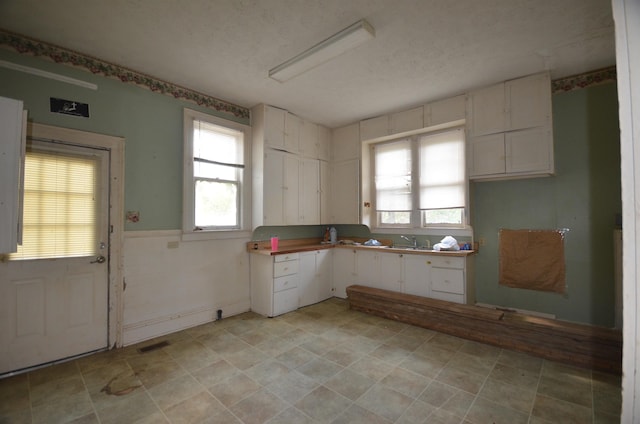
(333, 235)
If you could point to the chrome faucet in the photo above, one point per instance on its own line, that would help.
(413, 240)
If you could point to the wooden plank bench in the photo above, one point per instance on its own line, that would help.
(575, 344)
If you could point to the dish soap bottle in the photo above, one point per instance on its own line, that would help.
(333, 234)
(326, 235)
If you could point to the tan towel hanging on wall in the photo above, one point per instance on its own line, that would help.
(532, 259)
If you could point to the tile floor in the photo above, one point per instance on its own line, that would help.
(321, 364)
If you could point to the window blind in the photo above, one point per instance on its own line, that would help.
(442, 170)
(393, 176)
(60, 206)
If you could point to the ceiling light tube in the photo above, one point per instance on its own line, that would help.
(333, 46)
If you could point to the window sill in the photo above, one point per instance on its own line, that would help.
(215, 235)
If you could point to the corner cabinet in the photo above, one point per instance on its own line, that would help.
(510, 129)
(12, 148)
(274, 283)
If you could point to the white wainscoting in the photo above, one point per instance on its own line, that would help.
(173, 284)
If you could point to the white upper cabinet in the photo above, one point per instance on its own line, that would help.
(510, 129)
(309, 139)
(274, 126)
(345, 142)
(12, 145)
(395, 123)
(407, 120)
(374, 128)
(324, 143)
(345, 192)
(309, 192)
(443, 111)
(292, 128)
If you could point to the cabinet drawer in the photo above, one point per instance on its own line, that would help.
(286, 257)
(449, 297)
(285, 268)
(285, 301)
(447, 261)
(447, 280)
(285, 283)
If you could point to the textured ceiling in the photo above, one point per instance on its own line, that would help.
(424, 50)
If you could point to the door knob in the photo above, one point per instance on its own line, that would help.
(99, 260)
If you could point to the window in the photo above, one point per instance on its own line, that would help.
(60, 205)
(214, 173)
(420, 181)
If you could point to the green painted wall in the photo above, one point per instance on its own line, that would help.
(151, 124)
(584, 196)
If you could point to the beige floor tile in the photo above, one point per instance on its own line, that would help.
(343, 355)
(175, 391)
(246, 358)
(127, 408)
(14, 395)
(259, 407)
(275, 346)
(385, 402)
(53, 372)
(323, 405)
(555, 410)
(462, 379)
(291, 416)
(480, 350)
(515, 376)
(437, 394)
(153, 374)
(349, 384)
(472, 363)
(194, 409)
(446, 341)
(292, 387)
(390, 353)
(520, 360)
(423, 365)
(518, 398)
(320, 369)
(485, 411)
(416, 413)
(234, 389)
(459, 404)
(267, 371)
(406, 382)
(57, 390)
(215, 373)
(63, 409)
(567, 387)
(296, 357)
(358, 415)
(371, 367)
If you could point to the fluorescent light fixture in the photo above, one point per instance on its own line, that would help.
(333, 46)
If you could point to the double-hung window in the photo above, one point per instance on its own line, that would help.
(214, 173)
(420, 181)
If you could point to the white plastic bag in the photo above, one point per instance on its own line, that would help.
(447, 243)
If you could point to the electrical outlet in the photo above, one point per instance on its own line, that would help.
(482, 241)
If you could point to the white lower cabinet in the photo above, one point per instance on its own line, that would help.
(274, 284)
(315, 277)
(417, 275)
(448, 279)
(344, 271)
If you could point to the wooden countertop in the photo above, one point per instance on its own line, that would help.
(309, 245)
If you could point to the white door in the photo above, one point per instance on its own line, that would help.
(54, 304)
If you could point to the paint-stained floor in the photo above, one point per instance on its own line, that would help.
(320, 364)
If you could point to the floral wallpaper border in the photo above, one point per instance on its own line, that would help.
(588, 79)
(29, 46)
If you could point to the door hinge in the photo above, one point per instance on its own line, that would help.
(124, 284)
(111, 229)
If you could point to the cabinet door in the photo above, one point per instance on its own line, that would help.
(367, 269)
(309, 139)
(417, 278)
(447, 284)
(324, 143)
(11, 162)
(307, 290)
(292, 126)
(487, 155)
(529, 151)
(274, 127)
(528, 102)
(285, 301)
(374, 128)
(345, 192)
(273, 209)
(291, 189)
(487, 110)
(446, 110)
(390, 271)
(407, 120)
(325, 193)
(309, 192)
(344, 271)
(324, 269)
(345, 142)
